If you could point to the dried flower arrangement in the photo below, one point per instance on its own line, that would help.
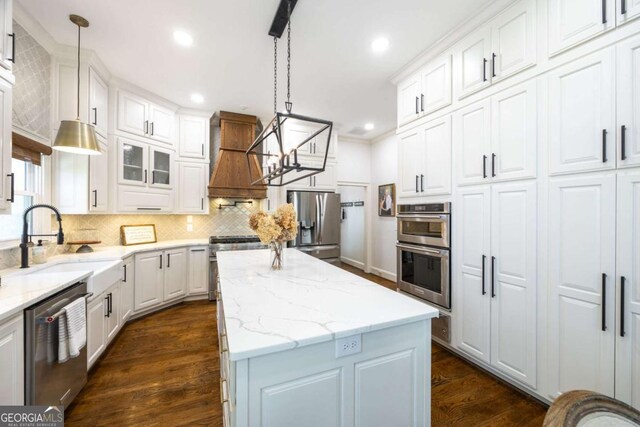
(275, 229)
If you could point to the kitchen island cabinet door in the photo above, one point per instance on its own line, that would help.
(149, 279)
(582, 244)
(175, 274)
(12, 356)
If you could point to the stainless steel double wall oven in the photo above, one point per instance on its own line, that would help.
(423, 248)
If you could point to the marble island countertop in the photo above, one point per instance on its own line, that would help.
(307, 302)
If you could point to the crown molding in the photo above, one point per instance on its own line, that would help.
(34, 28)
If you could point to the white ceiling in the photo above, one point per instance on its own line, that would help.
(335, 75)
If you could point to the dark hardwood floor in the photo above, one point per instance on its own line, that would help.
(163, 370)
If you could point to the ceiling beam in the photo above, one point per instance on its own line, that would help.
(280, 19)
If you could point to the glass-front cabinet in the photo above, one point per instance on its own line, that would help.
(132, 162)
(161, 168)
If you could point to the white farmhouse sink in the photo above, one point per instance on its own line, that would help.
(105, 273)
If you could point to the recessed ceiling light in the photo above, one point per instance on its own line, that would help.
(380, 44)
(197, 98)
(182, 38)
(369, 126)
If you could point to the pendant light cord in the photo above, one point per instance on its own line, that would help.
(275, 75)
(288, 104)
(78, 91)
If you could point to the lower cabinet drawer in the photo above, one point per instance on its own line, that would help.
(141, 199)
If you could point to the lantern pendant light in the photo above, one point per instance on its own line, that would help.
(74, 136)
(275, 146)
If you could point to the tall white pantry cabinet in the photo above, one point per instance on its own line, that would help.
(544, 159)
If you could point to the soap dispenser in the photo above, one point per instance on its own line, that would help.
(39, 253)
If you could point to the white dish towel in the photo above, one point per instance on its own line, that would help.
(72, 330)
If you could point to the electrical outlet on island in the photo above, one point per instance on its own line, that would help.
(348, 345)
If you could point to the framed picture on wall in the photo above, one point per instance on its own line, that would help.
(387, 200)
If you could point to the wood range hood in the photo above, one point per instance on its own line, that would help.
(230, 177)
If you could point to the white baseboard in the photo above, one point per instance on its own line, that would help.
(383, 273)
(352, 262)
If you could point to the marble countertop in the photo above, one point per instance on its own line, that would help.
(22, 288)
(307, 302)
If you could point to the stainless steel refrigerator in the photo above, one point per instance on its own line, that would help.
(318, 224)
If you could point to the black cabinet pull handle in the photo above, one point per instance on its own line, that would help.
(484, 291)
(153, 177)
(108, 312)
(417, 108)
(95, 116)
(623, 7)
(604, 11)
(421, 183)
(95, 198)
(493, 277)
(12, 197)
(202, 204)
(493, 164)
(493, 65)
(110, 303)
(416, 183)
(484, 166)
(422, 102)
(13, 48)
(151, 128)
(484, 70)
(604, 146)
(202, 150)
(125, 273)
(344, 214)
(168, 260)
(623, 142)
(146, 127)
(160, 261)
(604, 302)
(622, 284)
(145, 176)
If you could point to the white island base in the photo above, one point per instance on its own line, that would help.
(280, 334)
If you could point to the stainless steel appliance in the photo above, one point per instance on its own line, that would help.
(318, 224)
(423, 249)
(227, 243)
(48, 382)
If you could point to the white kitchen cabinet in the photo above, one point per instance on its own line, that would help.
(435, 80)
(628, 111)
(582, 115)
(274, 199)
(326, 180)
(98, 103)
(571, 22)
(409, 99)
(628, 293)
(99, 180)
(628, 10)
(144, 199)
(296, 133)
(126, 290)
(513, 39)
(175, 273)
(471, 287)
(472, 63)
(193, 142)
(133, 166)
(408, 149)
(132, 114)
(435, 158)
(161, 168)
(582, 244)
(96, 328)
(12, 356)
(149, 280)
(192, 186)
(112, 300)
(496, 277)
(6, 180)
(8, 43)
(198, 274)
(472, 139)
(161, 122)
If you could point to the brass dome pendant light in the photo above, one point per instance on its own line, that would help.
(75, 136)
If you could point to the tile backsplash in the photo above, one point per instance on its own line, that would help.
(228, 221)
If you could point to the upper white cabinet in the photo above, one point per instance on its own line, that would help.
(296, 133)
(424, 160)
(12, 356)
(98, 103)
(628, 294)
(194, 138)
(628, 111)
(574, 21)
(582, 115)
(140, 117)
(99, 180)
(582, 245)
(8, 41)
(628, 10)
(7, 183)
(192, 188)
(495, 287)
(505, 46)
(409, 99)
(496, 139)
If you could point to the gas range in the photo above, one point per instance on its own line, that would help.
(234, 243)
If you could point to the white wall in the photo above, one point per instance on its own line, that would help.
(354, 161)
(384, 170)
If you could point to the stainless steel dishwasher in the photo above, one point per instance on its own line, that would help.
(48, 382)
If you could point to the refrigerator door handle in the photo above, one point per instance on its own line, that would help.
(320, 215)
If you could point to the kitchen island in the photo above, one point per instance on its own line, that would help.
(314, 345)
